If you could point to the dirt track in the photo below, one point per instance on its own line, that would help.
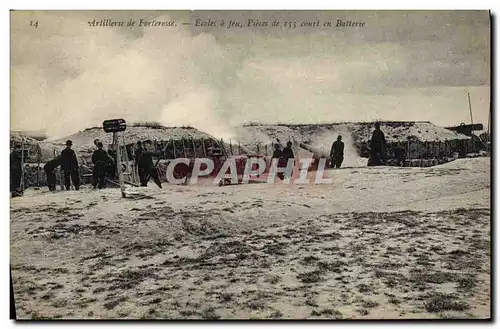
(379, 243)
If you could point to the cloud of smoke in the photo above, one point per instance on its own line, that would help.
(67, 76)
(66, 82)
(351, 156)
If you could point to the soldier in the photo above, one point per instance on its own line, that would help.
(111, 168)
(400, 154)
(377, 146)
(288, 151)
(16, 171)
(69, 165)
(337, 153)
(278, 154)
(147, 168)
(101, 161)
(137, 155)
(49, 172)
(138, 151)
(287, 154)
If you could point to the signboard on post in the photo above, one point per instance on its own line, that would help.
(114, 126)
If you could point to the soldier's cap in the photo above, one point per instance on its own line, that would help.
(68, 142)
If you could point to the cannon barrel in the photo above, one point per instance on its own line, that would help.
(318, 153)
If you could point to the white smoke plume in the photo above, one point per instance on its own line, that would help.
(66, 82)
(351, 157)
(67, 76)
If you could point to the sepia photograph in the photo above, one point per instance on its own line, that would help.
(250, 164)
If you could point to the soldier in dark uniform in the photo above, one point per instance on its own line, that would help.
(111, 168)
(400, 154)
(287, 154)
(137, 155)
(49, 172)
(16, 171)
(288, 151)
(147, 168)
(278, 154)
(101, 161)
(69, 165)
(138, 151)
(337, 153)
(377, 146)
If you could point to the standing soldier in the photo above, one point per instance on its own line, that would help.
(101, 161)
(278, 154)
(337, 153)
(49, 172)
(69, 165)
(16, 171)
(147, 168)
(377, 146)
(137, 155)
(277, 151)
(400, 154)
(111, 169)
(287, 154)
(138, 151)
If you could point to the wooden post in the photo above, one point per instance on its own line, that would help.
(175, 155)
(134, 167)
(230, 146)
(446, 149)
(126, 151)
(258, 148)
(22, 164)
(184, 148)
(223, 148)
(119, 164)
(194, 147)
(265, 149)
(204, 149)
(439, 149)
(409, 153)
(470, 109)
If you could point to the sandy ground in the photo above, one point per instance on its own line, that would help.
(378, 243)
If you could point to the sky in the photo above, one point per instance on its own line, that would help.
(400, 65)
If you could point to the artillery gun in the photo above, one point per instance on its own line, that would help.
(318, 153)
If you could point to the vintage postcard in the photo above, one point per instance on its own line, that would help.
(250, 164)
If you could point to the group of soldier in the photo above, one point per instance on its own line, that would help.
(377, 145)
(283, 155)
(104, 163)
(104, 166)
